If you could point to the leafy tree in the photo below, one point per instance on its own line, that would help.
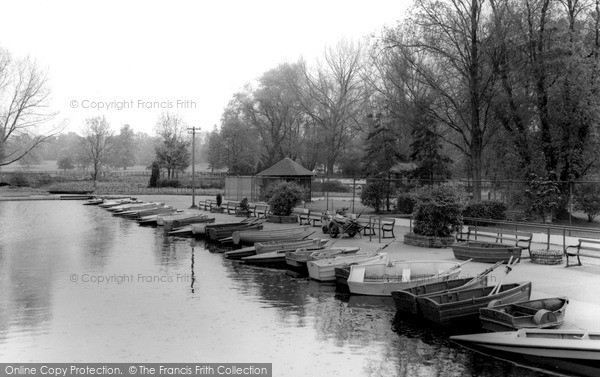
(172, 151)
(381, 150)
(240, 150)
(425, 152)
(587, 199)
(98, 143)
(375, 193)
(215, 152)
(65, 163)
(145, 151)
(125, 148)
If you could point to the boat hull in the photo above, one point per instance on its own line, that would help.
(463, 306)
(544, 313)
(406, 300)
(285, 234)
(218, 233)
(324, 269)
(296, 260)
(383, 278)
(485, 252)
(572, 351)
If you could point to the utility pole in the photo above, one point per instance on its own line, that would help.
(193, 132)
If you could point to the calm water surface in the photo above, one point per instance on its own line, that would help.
(78, 285)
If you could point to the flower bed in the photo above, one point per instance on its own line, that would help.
(427, 241)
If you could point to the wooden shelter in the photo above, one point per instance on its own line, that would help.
(290, 171)
(252, 187)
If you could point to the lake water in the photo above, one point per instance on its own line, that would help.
(78, 285)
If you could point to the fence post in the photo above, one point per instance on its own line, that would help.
(353, 192)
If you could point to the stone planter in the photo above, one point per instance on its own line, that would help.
(544, 256)
(282, 219)
(427, 241)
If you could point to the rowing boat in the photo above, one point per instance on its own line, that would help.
(381, 279)
(297, 259)
(324, 269)
(545, 313)
(222, 232)
(267, 247)
(406, 300)
(462, 306)
(282, 234)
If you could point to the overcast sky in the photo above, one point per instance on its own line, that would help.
(189, 56)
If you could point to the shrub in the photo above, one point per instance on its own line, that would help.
(330, 186)
(486, 210)
(437, 211)
(543, 195)
(168, 183)
(405, 203)
(19, 179)
(375, 193)
(587, 199)
(283, 196)
(154, 175)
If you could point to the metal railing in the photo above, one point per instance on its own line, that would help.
(543, 228)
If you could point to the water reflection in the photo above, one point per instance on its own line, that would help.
(212, 309)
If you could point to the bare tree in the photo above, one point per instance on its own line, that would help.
(23, 101)
(99, 141)
(333, 96)
(444, 46)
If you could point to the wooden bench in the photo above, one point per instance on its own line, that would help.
(261, 211)
(315, 218)
(496, 235)
(302, 214)
(205, 205)
(232, 207)
(584, 248)
(385, 225)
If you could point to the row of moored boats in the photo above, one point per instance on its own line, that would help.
(431, 290)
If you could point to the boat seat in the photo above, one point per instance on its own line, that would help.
(406, 274)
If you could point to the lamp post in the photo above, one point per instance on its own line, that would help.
(193, 132)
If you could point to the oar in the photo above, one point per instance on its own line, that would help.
(482, 274)
(455, 267)
(381, 248)
(509, 267)
(309, 234)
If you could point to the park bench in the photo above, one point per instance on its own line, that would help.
(496, 235)
(205, 205)
(584, 248)
(302, 214)
(261, 211)
(232, 207)
(372, 225)
(315, 218)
